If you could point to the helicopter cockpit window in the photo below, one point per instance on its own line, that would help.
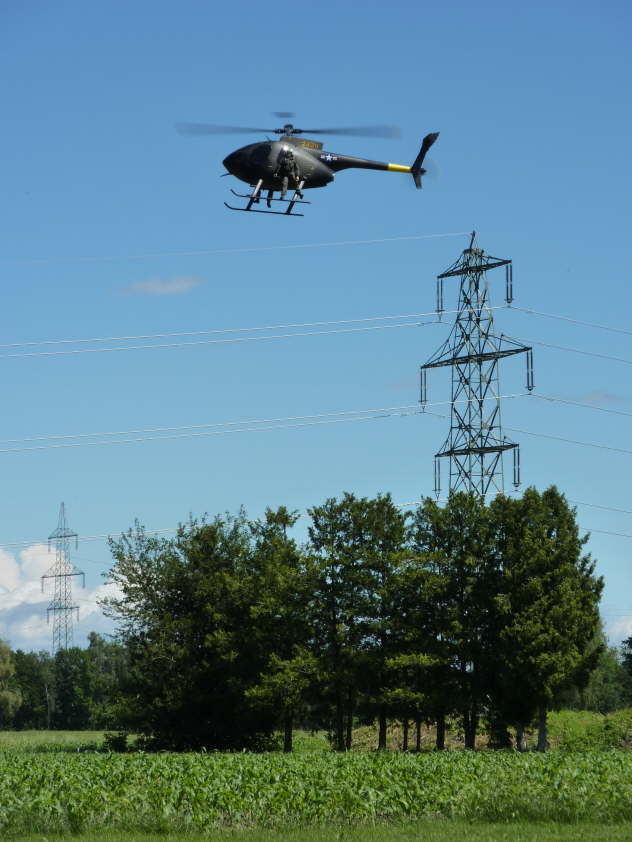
(261, 153)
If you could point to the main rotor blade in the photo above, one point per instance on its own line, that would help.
(284, 115)
(357, 131)
(211, 128)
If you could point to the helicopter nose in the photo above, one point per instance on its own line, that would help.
(230, 161)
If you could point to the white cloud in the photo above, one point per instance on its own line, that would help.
(35, 560)
(167, 286)
(621, 629)
(9, 571)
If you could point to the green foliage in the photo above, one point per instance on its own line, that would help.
(455, 542)
(50, 742)
(282, 586)
(10, 696)
(78, 688)
(73, 682)
(185, 615)
(586, 730)
(232, 630)
(626, 655)
(355, 545)
(187, 792)
(35, 676)
(548, 602)
(609, 687)
(430, 830)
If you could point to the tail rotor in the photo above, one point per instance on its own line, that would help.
(417, 169)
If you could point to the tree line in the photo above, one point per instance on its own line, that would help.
(469, 610)
(75, 689)
(486, 614)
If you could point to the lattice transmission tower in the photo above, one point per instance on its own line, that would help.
(475, 443)
(62, 572)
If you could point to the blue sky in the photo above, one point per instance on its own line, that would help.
(532, 102)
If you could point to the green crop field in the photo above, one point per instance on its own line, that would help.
(432, 830)
(83, 792)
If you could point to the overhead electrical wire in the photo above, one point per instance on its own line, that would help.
(206, 426)
(246, 339)
(599, 506)
(246, 250)
(569, 402)
(223, 424)
(284, 423)
(569, 319)
(322, 323)
(202, 430)
(568, 441)
(222, 330)
(241, 339)
(573, 350)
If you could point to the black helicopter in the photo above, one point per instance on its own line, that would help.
(294, 163)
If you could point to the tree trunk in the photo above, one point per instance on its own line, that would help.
(417, 734)
(543, 735)
(405, 725)
(381, 738)
(350, 706)
(470, 721)
(340, 726)
(349, 735)
(466, 728)
(47, 707)
(287, 729)
(499, 736)
(521, 738)
(440, 745)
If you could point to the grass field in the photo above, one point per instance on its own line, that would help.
(90, 793)
(434, 831)
(44, 742)
(62, 783)
(568, 730)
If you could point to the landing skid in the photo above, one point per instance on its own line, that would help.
(287, 212)
(255, 197)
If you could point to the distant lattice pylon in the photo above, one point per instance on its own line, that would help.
(62, 572)
(475, 443)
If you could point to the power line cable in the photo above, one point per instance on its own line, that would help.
(599, 506)
(568, 441)
(284, 326)
(187, 431)
(245, 339)
(248, 250)
(289, 422)
(569, 402)
(571, 320)
(187, 435)
(206, 426)
(240, 339)
(216, 331)
(575, 350)
(224, 424)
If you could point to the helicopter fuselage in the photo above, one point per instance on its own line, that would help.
(292, 160)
